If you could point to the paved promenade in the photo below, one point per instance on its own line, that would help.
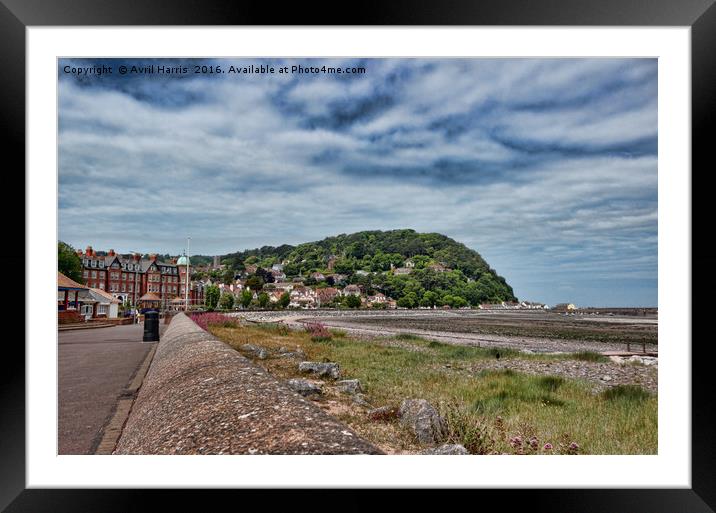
(95, 366)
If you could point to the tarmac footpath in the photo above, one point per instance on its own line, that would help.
(99, 372)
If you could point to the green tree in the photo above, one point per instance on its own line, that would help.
(227, 301)
(227, 277)
(263, 300)
(68, 263)
(246, 297)
(352, 301)
(430, 299)
(284, 300)
(409, 300)
(255, 283)
(211, 297)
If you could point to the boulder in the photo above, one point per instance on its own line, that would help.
(327, 369)
(447, 449)
(304, 387)
(349, 386)
(383, 413)
(262, 354)
(424, 420)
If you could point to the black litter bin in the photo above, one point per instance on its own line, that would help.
(151, 326)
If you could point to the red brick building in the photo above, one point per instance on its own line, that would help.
(130, 277)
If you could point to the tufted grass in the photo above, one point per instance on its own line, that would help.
(485, 411)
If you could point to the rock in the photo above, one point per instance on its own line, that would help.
(424, 420)
(320, 368)
(359, 399)
(447, 449)
(249, 348)
(383, 413)
(287, 353)
(606, 378)
(258, 352)
(304, 387)
(349, 386)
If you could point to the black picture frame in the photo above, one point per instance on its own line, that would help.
(700, 15)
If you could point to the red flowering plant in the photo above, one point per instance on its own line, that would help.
(318, 331)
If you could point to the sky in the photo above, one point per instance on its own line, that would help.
(546, 167)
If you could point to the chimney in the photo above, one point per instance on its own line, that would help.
(88, 251)
(110, 253)
(136, 257)
(79, 252)
(153, 256)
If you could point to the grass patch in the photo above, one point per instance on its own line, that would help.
(589, 356)
(626, 393)
(491, 412)
(278, 329)
(551, 383)
(409, 337)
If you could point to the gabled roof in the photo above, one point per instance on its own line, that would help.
(65, 283)
(144, 265)
(150, 296)
(108, 260)
(106, 295)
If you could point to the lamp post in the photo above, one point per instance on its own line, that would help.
(186, 286)
(136, 274)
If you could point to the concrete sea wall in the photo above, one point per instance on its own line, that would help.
(200, 396)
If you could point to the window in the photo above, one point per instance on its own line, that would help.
(131, 287)
(101, 265)
(124, 288)
(85, 273)
(94, 263)
(124, 276)
(102, 309)
(94, 274)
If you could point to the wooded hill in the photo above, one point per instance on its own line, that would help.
(441, 270)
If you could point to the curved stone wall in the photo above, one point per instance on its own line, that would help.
(200, 396)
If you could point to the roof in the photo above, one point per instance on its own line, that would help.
(105, 295)
(65, 283)
(150, 296)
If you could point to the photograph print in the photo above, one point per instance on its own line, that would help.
(357, 256)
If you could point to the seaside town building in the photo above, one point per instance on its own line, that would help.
(129, 278)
